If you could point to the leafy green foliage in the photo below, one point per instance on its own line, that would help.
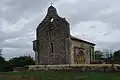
(98, 55)
(15, 62)
(116, 56)
(21, 61)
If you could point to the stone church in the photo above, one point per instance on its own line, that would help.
(54, 45)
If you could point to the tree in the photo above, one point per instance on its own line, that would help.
(98, 55)
(107, 53)
(21, 61)
(2, 62)
(14, 62)
(116, 56)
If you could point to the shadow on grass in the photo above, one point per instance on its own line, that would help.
(16, 77)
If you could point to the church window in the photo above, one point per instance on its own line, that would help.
(51, 47)
(51, 20)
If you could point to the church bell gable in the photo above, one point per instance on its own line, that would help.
(53, 39)
(53, 22)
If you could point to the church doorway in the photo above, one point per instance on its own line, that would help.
(79, 55)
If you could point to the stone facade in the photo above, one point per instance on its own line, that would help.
(82, 51)
(53, 39)
(54, 44)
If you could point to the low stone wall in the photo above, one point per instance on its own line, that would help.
(77, 67)
(18, 69)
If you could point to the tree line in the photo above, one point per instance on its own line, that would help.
(108, 56)
(15, 62)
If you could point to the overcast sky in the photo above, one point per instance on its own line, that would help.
(97, 21)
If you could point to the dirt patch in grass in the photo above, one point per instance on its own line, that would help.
(16, 77)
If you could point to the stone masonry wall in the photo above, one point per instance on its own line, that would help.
(53, 36)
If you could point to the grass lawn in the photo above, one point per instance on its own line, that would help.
(59, 75)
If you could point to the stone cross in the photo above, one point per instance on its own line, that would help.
(51, 3)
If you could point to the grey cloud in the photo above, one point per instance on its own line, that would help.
(108, 45)
(17, 8)
(21, 17)
(16, 52)
(89, 10)
(21, 42)
(84, 10)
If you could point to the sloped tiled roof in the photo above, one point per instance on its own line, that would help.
(77, 39)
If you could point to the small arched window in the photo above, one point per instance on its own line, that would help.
(51, 20)
(51, 47)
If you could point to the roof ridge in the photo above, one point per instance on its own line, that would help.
(75, 38)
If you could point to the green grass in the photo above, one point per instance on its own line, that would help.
(63, 75)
